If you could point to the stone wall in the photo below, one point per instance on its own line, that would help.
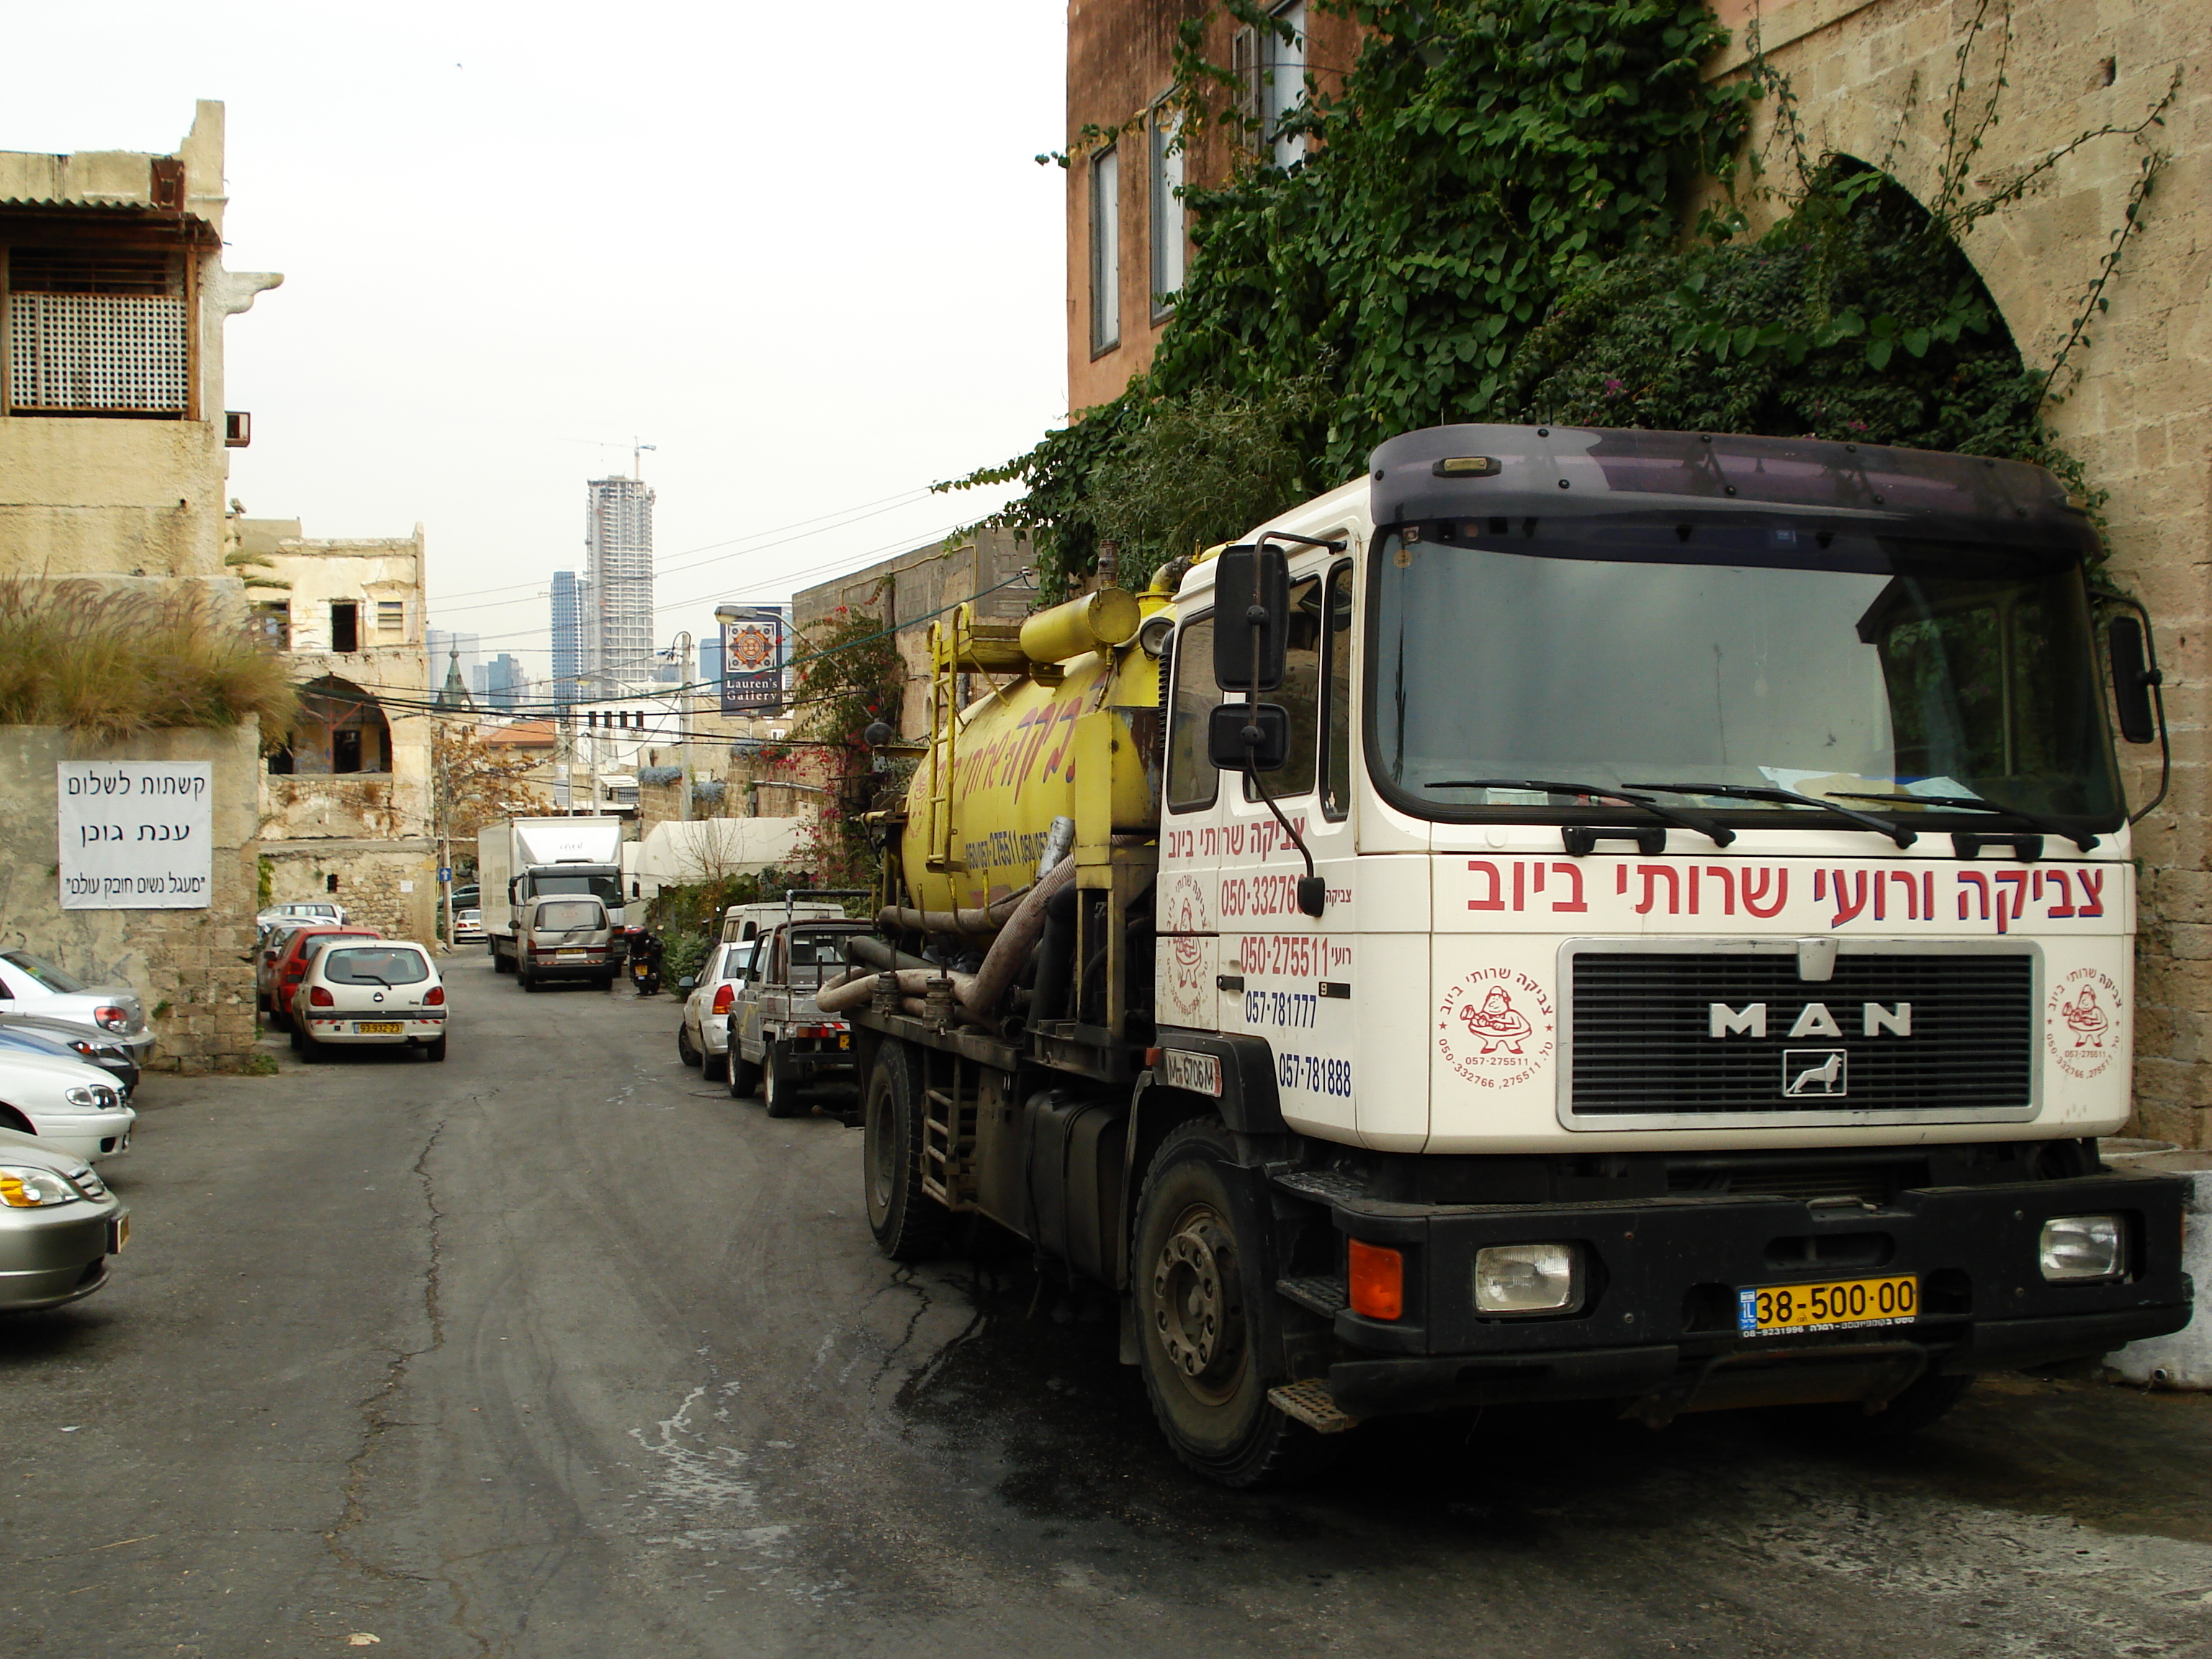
(387, 882)
(193, 968)
(1871, 79)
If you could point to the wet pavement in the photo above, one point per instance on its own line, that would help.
(555, 1349)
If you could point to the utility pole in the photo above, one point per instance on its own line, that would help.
(683, 720)
(564, 757)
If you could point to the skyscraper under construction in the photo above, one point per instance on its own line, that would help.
(617, 617)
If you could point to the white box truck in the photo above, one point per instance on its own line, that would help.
(526, 859)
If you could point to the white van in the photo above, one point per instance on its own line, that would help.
(741, 921)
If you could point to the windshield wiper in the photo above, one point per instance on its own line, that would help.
(2048, 826)
(1697, 822)
(1897, 832)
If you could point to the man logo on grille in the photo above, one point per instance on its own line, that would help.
(1807, 1072)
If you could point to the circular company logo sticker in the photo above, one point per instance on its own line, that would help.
(2080, 1023)
(1188, 968)
(1495, 1028)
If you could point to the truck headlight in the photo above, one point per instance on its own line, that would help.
(1519, 1278)
(2076, 1248)
(23, 1188)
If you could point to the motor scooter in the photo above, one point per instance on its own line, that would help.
(644, 965)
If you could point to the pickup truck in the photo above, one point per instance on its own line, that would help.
(780, 1041)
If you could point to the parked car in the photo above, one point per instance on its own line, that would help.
(317, 910)
(58, 1225)
(32, 985)
(569, 935)
(385, 993)
(67, 1105)
(703, 1036)
(58, 1041)
(778, 1041)
(102, 1048)
(290, 965)
(469, 897)
(468, 927)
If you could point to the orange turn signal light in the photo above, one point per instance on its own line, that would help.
(1378, 1280)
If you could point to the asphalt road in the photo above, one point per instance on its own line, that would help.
(555, 1350)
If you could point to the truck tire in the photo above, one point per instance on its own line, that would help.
(909, 1225)
(500, 964)
(780, 1084)
(744, 1074)
(1196, 1219)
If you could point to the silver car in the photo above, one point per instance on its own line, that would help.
(31, 985)
(58, 1225)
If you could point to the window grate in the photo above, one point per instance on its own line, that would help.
(128, 353)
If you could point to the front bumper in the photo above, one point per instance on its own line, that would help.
(92, 1136)
(1658, 1324)
(48, 1258)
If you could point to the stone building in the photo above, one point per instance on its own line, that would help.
(1871, 79)
(113, 470)
(347, 809)
(908, 591)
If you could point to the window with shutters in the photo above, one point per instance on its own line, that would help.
(392, 616)
(98, 331)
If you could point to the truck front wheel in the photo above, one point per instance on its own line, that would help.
(909, 1224)
(501, 963)
(1189, 1273)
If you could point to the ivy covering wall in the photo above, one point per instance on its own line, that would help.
(1490, 225)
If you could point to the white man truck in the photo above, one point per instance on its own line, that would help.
(525, 859)
(1628, 916)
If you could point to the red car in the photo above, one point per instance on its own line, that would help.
(290, 966)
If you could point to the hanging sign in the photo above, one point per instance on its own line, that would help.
(753, 652)
(136, 834)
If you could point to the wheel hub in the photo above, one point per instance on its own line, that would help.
(1196, 1312)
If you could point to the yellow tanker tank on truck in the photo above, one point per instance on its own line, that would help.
(1621, 915)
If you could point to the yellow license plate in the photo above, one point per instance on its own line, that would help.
(1834, 1305)
(844, 1040)
(378, 1027)
(120, 1230)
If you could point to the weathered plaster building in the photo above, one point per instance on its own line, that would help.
(113, 465)
(346, 804)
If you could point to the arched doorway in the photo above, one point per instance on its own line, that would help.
(340, 730)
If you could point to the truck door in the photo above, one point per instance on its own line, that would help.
(1288, 975)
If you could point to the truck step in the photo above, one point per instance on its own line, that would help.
(1310, 1402)
(1325, 1297)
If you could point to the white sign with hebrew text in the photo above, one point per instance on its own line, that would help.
(137, 834)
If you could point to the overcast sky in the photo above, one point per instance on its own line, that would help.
(802, 249)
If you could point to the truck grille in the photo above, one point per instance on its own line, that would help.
(1643, 1043)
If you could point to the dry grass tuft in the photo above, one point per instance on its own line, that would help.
(108, 664)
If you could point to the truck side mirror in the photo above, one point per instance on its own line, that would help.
(1256, 735)
(2133, 677)
(1252, 605)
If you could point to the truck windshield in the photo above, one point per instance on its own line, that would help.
(1820, 656)
(605, 888)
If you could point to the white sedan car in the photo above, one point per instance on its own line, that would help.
(703, 1038)
(68, 1105)
(31, 985)
(371, 991)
